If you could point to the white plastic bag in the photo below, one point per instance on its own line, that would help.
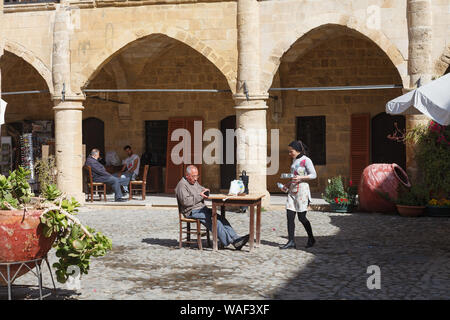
(236, 187)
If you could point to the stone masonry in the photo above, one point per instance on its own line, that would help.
(73, 45)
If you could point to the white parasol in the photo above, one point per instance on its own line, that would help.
(432, 99)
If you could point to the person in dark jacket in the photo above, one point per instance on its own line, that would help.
(99, 174)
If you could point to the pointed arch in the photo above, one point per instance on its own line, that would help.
(273, 60)
(120, 44)
(32, 59)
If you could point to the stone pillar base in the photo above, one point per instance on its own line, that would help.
(252, 146)
(413, 121)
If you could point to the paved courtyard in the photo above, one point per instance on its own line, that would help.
(145, 263)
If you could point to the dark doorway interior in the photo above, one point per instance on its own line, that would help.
(385, 150)
(156, 142)
(312, 132)
(94, 135)
(227, 171)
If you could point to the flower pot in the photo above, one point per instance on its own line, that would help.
(410, 211)
(22, 239)
(341, 207)
(376, 180)
(434, 211)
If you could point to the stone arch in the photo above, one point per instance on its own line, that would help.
(31, 58)
(95, 65)
(443, 63)
(352, 23)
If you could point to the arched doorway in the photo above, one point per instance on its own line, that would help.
(159, 63)
(332, 56)
(227, 170)
(94, 135)
(385, 150)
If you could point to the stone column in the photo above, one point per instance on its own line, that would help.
(420, 33)
(250, 101)
(419, 64)
(68, 109)
(68, 146)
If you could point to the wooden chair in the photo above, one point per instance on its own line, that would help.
(142, 183)
(95, 186)
(198, 231)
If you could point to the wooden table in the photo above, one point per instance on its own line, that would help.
(250, 200)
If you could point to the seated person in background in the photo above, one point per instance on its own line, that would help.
(130, 169)
(99, 174)
(191, 199)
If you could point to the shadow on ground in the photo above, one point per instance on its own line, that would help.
(21, 292)
(412, 253)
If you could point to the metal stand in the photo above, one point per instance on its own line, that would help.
(37, 263)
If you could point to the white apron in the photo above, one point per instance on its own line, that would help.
(299, 195)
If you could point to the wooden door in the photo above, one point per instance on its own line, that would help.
(174, 172)
(359, 145)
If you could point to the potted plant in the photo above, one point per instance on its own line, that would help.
(30, 225)
(438, 208)
(411, 202)
(341, 198)
(431, 145)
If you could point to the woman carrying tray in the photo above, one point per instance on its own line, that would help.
(299, 195)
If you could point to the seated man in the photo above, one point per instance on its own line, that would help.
(99, 174)
(191, 199)
(130, 169)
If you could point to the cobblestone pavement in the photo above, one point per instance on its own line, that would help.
(146, 263)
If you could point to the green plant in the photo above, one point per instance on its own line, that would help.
(336, 192)
(417, 195)
(75, 243)
(432, 153)
(46, 172)
(15, 191)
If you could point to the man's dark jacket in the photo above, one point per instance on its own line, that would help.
(99, 173)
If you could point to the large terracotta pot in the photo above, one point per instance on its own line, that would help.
(381, 178)
(21, 239)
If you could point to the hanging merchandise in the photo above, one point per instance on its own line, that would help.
(26, 154)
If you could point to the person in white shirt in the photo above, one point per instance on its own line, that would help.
(130, 167)
(299, 195)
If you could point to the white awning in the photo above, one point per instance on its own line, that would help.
(432, 99)
(2, 111)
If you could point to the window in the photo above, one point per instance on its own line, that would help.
(312, 132)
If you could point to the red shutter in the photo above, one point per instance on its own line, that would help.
(359, 145)
(173, 172)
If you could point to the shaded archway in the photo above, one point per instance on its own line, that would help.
(157, 62)
(331, 56)
(25, 113)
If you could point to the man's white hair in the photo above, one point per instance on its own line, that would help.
(189, 169)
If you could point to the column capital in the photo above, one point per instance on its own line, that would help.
(253, 102)
(68, 105)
